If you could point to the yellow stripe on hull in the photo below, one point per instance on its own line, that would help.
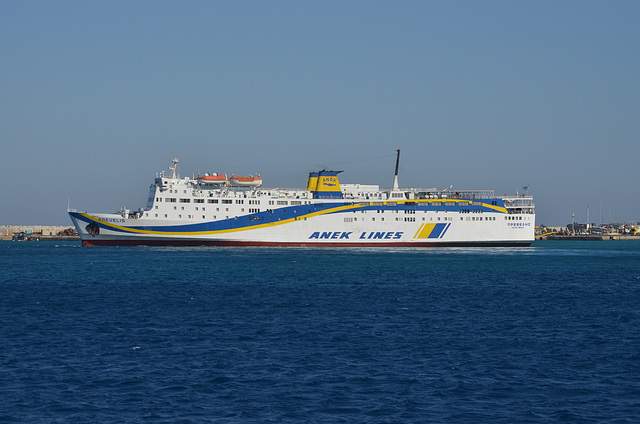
(424, 231)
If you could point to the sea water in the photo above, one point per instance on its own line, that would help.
(549, 333)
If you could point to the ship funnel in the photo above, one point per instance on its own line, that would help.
(328, 186)
(312, 183)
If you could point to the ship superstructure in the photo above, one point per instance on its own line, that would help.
(237, 211)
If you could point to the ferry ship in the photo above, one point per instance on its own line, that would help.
(215, 210)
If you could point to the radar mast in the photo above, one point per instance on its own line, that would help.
(175, 173)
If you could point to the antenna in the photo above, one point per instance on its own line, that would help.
(395, 178)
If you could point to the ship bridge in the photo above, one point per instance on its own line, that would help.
(519, 204)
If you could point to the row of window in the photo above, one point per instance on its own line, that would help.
(373, 195)
(445, 218)
(298, 202)
(257, 210)
(175, 208)
(352, 219)
(230, 201)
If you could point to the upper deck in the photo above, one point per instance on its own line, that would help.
(170, 195)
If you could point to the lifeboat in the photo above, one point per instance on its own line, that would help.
(213, 179)
(249, 181)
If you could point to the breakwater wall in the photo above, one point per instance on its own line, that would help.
(45, 232)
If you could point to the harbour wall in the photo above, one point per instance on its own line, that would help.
(588, 237)
(45, 232)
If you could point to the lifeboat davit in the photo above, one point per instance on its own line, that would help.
(249, 181)
(213, 179)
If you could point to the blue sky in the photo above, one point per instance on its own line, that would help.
(96, 97)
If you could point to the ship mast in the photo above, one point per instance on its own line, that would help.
(395, 178)
(175, 173)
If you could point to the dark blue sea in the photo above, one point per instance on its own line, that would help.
(545, 334)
